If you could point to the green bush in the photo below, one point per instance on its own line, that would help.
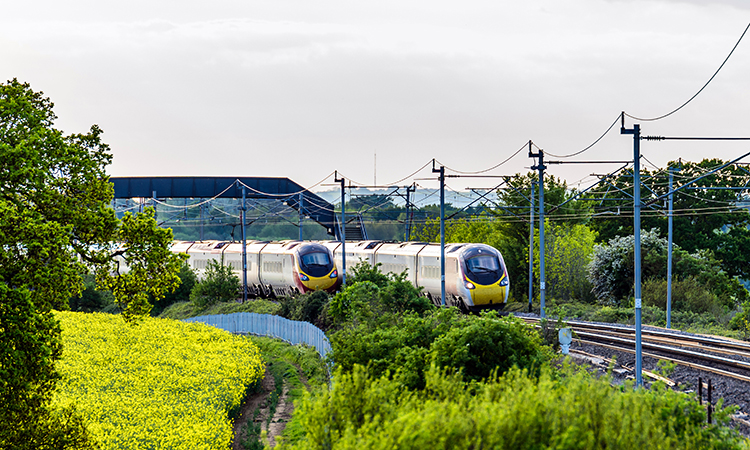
(612, 267)
(218, 285)
(405, 345)
(363, 271)
(687, 295)
(566, 410)
(309, 307)
(488, 343)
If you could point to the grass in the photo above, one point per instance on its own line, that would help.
(282, 361)
(183, 310)
(286, 358)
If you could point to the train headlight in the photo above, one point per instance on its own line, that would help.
(334, 274)
(303, 277)
(469, 284)
(504, 281)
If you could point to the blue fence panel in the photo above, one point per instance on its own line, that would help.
(292, 331)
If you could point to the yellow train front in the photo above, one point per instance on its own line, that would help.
(314, 268)
(483, 279)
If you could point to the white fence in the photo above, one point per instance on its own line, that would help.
(278, 327)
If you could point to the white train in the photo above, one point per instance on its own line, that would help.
(475, 274)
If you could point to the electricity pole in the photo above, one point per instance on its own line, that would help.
(540, 167)
(531, 248)
(243, 208)
(441, 171)
(636, 132)
(343, 228)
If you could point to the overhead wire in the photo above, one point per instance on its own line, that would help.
(570, 155)
(489, 169)
(699, 91)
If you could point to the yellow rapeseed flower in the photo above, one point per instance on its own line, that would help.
(158, 384)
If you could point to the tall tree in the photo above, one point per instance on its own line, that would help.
(512, 216)
(707, 215)
(55, 222)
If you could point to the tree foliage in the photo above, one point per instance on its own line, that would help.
(513, 219)
(188, 280)
(612, 268)
(55, 220)
(706, 216)
(152, 268)
(568, 249)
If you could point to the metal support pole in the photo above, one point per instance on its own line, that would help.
(406, 219)
(542, 284)
(636, 132)
(202, 208)
(343, 228)
(709, 404)
(441, 171)
(531, 247)
(669, 251)
(153, 202)
(301, 215)
(244, 249)
(542, 277)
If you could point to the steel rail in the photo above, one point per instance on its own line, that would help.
(695, 341)
(696, 338)
(685, 342)
(672, 350)
(725, 373)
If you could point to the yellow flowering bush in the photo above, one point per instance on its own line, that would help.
(157, 384)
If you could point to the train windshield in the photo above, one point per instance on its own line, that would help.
(484, 269)
(316, 263)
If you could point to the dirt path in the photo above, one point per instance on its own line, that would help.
(253, 402)
(284, 411)
(259, 401)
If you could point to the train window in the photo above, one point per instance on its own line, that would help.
(431, 272)
(316, 259)
(483, 263)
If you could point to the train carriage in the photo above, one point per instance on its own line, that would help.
(475, 274)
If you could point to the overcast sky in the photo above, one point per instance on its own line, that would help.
(300, 88)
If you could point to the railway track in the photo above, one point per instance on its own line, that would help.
(724, 357)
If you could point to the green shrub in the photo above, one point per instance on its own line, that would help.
(489, 343)
(309, 307)
(687, 295)
(363, 271)
(218, 285)
(405, 345)
(91, 299)
(612, 267)
(567, 410)
(183, 310)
